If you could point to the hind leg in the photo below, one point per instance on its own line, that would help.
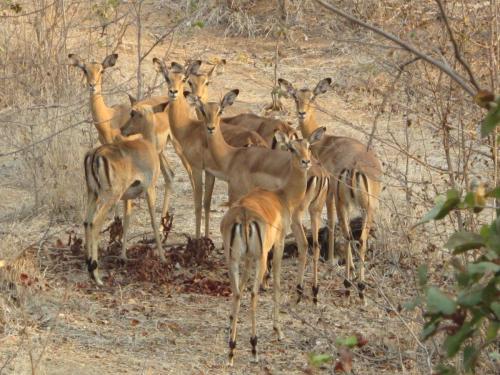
(207, 199)
(260, 268)
(278, 255)
(168, 177)
(330, 209)
(151, 199)
(127, 209)
(315, 220)
(300, 237)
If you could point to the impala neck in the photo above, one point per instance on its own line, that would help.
(221, 151)
(295, 188)
(178, 116)
(149, 130)
(102, 115)
(308, 125)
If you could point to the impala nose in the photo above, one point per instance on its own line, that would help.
(211, 129)
(306, 163)
(302, 115)
(173, 93)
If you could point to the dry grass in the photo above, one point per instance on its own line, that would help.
(174, 323)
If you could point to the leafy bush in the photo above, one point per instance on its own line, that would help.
(470, 318)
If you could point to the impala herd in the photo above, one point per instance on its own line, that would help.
(273, 176)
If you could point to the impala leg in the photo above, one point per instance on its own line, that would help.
(198, 192)
(346, 233)
(88, 223)
(151, 198)
(260, 269)
(278, 255)
(207, 199)
(315, 220)
(330, 210)
(235, 308)
(127, 209)
(96, 225)
(365, 231)
(168, 177)
(300, 237)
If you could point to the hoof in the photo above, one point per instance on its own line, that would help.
(255, 359)
(230, 362)
(279, 333)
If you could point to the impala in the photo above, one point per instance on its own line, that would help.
(190, 135)
(355, 171)
(110, 121)
(252, 226)
(264, 126)
(121, 170)
(256, 167)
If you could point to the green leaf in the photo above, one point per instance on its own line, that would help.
(445, 370)
(463, 241)
(495, 193)
(492, 331)
(444, 204)
(422, 275)
(438, 302)
(471, 355)
(199, 24)
(452, 343)
(482, 268)
(350, 341)
(317, 360)
(495, 306)
(491, 120)
(470, 297)
(429, 330)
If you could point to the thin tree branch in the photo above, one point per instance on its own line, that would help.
(458, 56)
(444, 68)
(162, 38)
(386, 97)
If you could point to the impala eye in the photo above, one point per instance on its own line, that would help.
(206, 83)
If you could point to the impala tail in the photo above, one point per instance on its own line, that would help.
(354, 189)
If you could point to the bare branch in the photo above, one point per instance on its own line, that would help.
(410, 48)
(458, 56)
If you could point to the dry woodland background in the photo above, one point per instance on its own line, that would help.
(153, 319)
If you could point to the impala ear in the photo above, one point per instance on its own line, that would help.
(287, 86)
(194, 100)
(159, 65)
(159, 107)
(229, 98)
(317, 135)
(193, 67)
(76, 61)
(281, 137)
(110, 60)
(322, 86)
(132, 99)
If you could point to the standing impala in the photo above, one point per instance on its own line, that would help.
(110, 121)
(256, 167)
(264, 126)
(356, 173)
(121, 170)
(252, 226)
(190, 135)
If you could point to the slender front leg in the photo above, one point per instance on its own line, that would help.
(198, 192)
(315, 215)
(278, 255)
(300, 237)
(127, 209)
(168, 177)
(207, 199)
(151, 198)
(330, 210)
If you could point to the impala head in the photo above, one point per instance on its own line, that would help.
(300, 148)
(278, 143)
(175, 76)
(141, 117)
(198, 82)
(304, 98)
(93, 70)
(212, 111)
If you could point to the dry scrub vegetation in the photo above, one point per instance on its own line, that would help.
(173, 319)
